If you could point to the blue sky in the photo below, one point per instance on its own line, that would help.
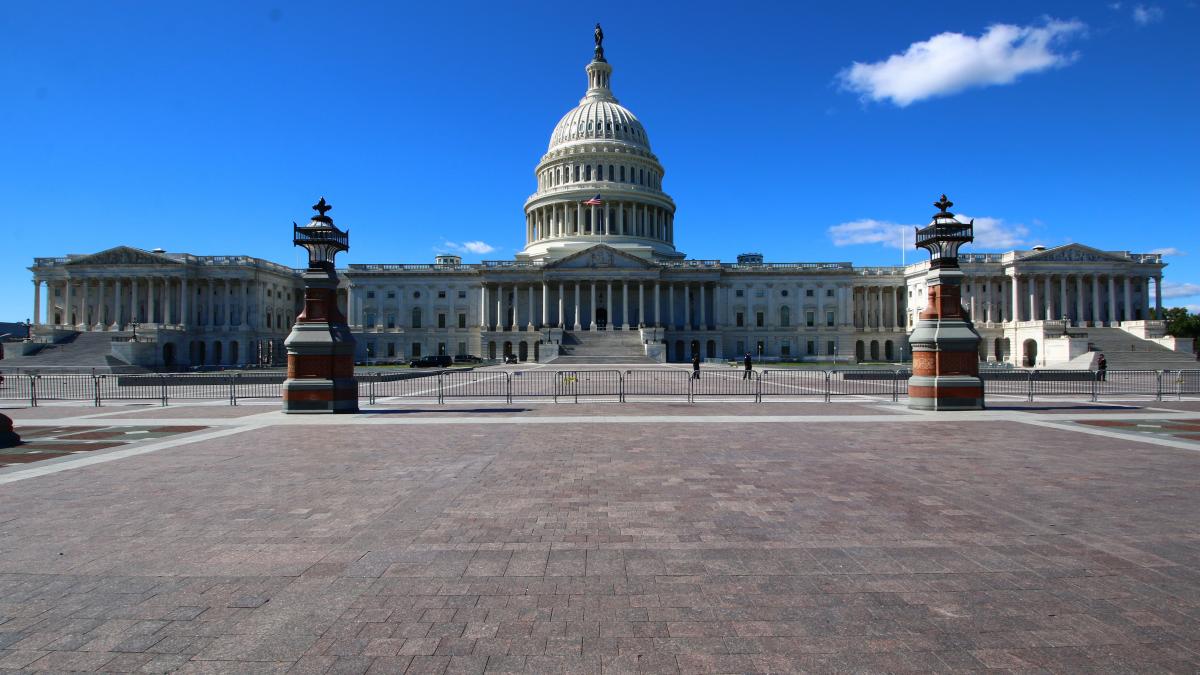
(210, 127)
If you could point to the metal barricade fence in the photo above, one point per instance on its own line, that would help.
(732, 383)
(257, 385)
(656, 384)
(527, 384)
(794, 383)
(199, 387)
(1077, 383)
(417, 385)
(473, 384)
(1129, 382)
(863, 382)
(18, 388)
(1005, 382)
(590, 385)
(64, 388)
(1180, 382)
(130, 388)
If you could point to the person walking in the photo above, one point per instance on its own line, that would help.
(749, 367)
(1102, 369)
(695, 365)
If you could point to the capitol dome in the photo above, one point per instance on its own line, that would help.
(599, 182)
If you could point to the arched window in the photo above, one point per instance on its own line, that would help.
(785, 316)
(587, 172)
(622, 173)
(611, 173)
(416, 317)
(576, 173)
(641, 176)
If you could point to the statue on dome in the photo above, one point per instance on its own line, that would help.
(599, 42)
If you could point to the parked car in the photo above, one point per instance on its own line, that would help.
(438, 361)
(510, 358)
(467, 358)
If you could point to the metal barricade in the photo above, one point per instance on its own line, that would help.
(64, 388)
(199, 387)
(590, 385)
(1129, 383)
(865, 382)
(794, 383)
(656, 384)
(527, 384)
(257, 385)
(414, 385)
(142, 387)
(1076, 383)
(18, 388)
(477, 384)
(734, 383)
(1179, 383)
(1005, 382)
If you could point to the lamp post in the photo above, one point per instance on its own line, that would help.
(28, 330)
(944, 344)
(320, 348)
(134, 325)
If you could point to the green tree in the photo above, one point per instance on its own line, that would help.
(1181, 323)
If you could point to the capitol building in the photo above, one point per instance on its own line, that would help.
(599, 280)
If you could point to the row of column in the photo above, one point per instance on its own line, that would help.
(116, 303)
(369, 306)
(880, 307)
(629, 219)
(1097, 298)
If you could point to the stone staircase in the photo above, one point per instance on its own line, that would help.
(83, 350)
(1128, 352)
(604, 346)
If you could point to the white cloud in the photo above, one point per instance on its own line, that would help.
(1145, 16)
(1175, 289)
(951, 62)
(1168, 250)
(871, 231)
(476, 247)
(991, 234)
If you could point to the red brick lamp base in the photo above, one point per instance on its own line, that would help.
(8, 437)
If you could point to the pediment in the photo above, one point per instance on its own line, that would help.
(124, 255)
(1074, 253)
(601, 256)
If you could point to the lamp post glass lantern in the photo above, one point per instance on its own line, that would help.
(321, 238)
(134, 325)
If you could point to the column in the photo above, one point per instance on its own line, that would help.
(135, 314)
(687, 307)
(1158, 310)
(671, 306)
(642, 303)
(185, 318)
(611, 307)
(483, 307)
(625, 305)
(151, 300)
(1032, 283)
(1095, 299)
(1146, 298)
(562, 300)
(1063, 309)
(545, 304)
(1128, 311)
(703, 315)
(899, 298)
(166, 301)
(118, 310)
(593, 291)
(1112, 300)
(529, 297)
(1015, 311)
(577, 326)
(1047, 298)
(716, 304)
(499, 307)
(1079, 306)
(37, 301)
(657, 308)
(882, 309)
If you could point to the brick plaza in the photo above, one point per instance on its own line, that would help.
(653, 537)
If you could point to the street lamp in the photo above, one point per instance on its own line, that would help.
(134, 325)
(28, 330)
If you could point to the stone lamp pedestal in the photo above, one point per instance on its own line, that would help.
(320, 348)
(8, 437)
(944, 343)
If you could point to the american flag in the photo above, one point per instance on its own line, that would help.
(594, 201)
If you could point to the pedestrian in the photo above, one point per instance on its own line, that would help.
(695, 365)
(1102, 369)
(749, 367)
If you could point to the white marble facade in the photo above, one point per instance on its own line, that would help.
(589, 266)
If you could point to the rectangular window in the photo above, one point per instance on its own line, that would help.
(785, 348)
(741, 349)
(416, 350)
(441, 294)
(370, 294)
(462, 320)
(810, 319)
(830, 348)
(391, 352)
(762, 348)
(760, 293)
(441, 320)
(739, 293)
(741, 319)
(391, 321)
(808, 293)
(759, 319)
(829, 292)
(812, 348)
(462, 349)
(462, 294)
(829, 319)
(441, 349)
(391, 295)
(370, 350)
(369, 319)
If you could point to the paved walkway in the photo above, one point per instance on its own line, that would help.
(714, 537)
